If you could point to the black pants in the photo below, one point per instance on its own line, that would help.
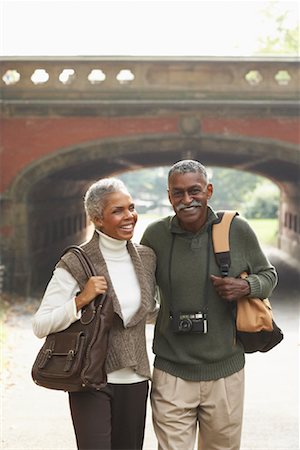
(110, 419)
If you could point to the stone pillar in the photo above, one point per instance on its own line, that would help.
(289, 229)
(14, 247)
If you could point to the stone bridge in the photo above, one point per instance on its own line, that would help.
(68, 121)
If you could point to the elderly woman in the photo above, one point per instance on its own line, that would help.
(114, 417)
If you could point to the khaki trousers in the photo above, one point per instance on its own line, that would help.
(178, 406)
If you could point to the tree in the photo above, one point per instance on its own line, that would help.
(233, 189)
(282, 30)
(262, 203)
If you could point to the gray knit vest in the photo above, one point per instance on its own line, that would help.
(127, 345)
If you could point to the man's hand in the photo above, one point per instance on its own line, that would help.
(230, 288)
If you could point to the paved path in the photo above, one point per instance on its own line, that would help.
(34, 418)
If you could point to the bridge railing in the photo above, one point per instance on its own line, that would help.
(146, 78)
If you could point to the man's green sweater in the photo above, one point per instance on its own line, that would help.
(216, 354)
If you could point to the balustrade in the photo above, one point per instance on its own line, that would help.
(138, 78)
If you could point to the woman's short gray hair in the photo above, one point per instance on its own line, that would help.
(94, 199)
(187, 166)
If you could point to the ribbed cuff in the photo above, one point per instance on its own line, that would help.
(255, 286)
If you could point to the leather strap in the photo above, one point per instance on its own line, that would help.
(220, 238)
(83, 258)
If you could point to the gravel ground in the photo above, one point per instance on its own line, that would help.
(34, 418)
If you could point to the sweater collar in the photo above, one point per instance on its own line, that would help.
(177, 229)
(109, 245)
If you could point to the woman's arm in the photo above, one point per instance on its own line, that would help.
(58, 307)
(63, 301)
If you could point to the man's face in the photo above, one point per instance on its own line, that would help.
(189, 194)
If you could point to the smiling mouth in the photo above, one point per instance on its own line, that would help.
(128, 227)
(189, 208)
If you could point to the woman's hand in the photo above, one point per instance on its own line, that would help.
(94, 286)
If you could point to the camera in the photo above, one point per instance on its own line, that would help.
(195, 322)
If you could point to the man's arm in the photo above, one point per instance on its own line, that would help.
(262, 276)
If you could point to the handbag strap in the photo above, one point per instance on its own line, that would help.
(83, 258)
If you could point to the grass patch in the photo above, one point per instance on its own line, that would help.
(266, 230)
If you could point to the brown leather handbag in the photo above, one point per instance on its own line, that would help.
(74, 359)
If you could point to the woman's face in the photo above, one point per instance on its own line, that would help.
(119, 216)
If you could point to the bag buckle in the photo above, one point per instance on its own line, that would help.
(224, 268)
(69, 360)
(47, 354)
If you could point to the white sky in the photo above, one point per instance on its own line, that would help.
(143, 27)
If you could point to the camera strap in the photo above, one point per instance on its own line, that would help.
(204, 307)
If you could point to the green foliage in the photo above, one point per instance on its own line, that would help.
(263, 202)
(252, 195)
(148, 187)
(283, 36)
(149, 182)
(231, 187)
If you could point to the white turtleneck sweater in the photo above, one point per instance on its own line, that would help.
(122, 274)
(58, 308)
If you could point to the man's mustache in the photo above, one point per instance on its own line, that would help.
(183, 206)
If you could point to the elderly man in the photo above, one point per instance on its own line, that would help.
(199, 365)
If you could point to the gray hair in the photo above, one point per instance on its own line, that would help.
(94, 199)
(187, 166)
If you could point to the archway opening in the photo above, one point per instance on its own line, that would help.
(255, 197)
(48, 195)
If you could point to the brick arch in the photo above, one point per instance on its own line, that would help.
(275, 160)
(47, 196)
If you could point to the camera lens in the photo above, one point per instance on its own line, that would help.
(185, 325)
